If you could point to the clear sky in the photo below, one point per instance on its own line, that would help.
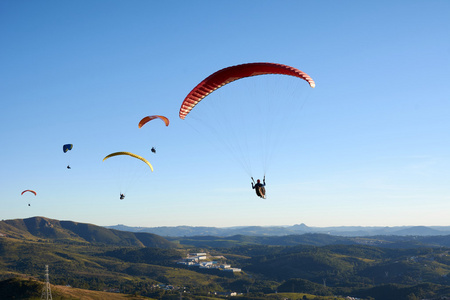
(370, 145)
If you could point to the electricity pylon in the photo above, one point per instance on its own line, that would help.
(46, 291)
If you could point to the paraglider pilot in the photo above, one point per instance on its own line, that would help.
(68, 167)
(122, 196)
(259, 187)
(153, 150)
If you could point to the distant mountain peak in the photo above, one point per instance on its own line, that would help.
(301, 226)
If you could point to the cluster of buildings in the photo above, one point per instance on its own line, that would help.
(168, 287)
(204, 261)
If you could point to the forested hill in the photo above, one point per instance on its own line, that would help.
(314, 239)
(37, 228)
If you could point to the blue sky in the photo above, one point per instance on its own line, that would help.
(368, 147)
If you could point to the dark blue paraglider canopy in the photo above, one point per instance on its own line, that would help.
(67, 147)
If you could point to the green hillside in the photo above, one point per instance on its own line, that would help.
(39, 228)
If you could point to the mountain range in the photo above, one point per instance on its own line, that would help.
(70, 232)
(347, 231)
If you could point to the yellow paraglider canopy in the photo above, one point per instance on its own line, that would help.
(130, 154)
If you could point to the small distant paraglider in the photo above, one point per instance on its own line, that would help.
(147, 119)
(30, 191)
(67, 147)
(122, 195)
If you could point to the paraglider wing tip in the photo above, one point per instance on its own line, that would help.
(313, 85)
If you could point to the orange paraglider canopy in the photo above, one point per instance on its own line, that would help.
(31, 191)
(149, 118)
(230, 74)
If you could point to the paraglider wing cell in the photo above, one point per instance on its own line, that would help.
(230, 74)
(149, 118)
(130, 154)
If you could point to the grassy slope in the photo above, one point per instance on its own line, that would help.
(29, 288)
(75, 293)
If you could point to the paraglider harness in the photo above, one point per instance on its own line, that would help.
(259, 187)
(153, 150)
(122, 196)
